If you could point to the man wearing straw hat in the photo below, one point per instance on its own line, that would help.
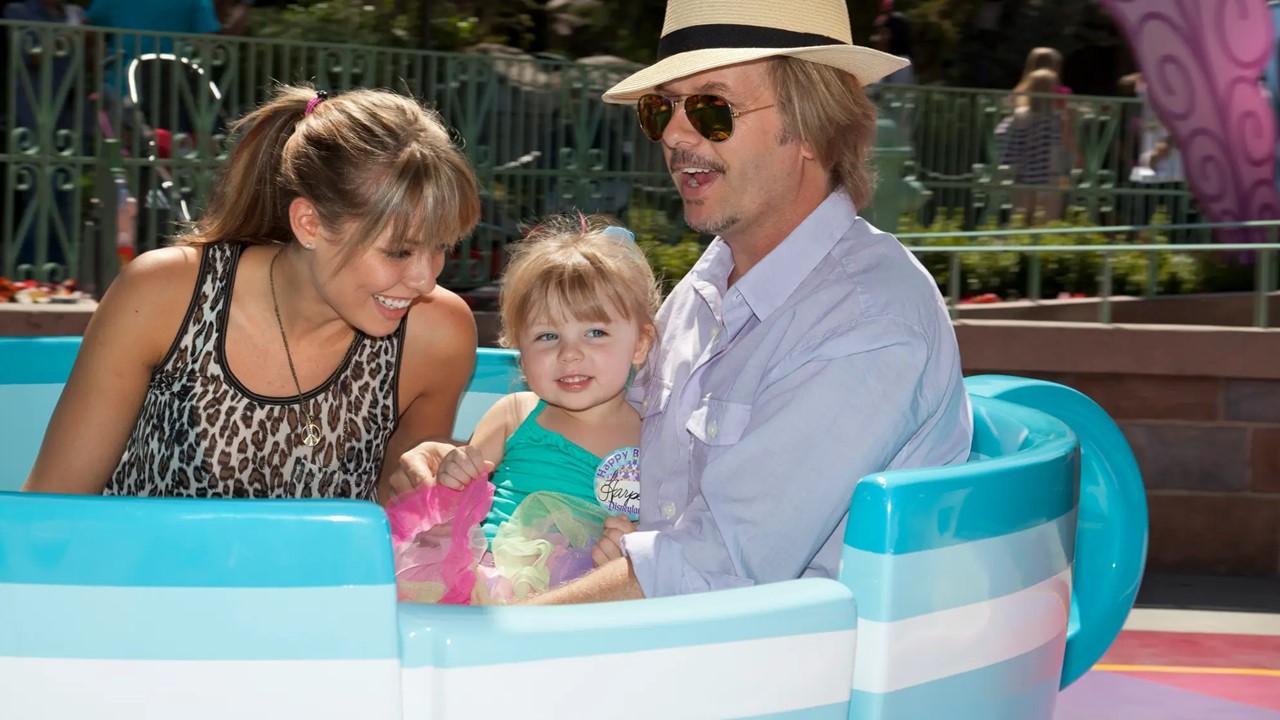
(805, 349)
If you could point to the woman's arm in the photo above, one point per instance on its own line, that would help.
(129, 334)
(438, 358)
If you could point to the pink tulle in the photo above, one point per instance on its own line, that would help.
(436, 536)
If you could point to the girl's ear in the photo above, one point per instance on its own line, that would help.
(648, 336)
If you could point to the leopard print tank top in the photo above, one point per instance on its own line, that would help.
(200, 433)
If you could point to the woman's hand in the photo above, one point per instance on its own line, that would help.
(609, 546)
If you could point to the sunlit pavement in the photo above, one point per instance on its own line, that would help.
(1171, 664)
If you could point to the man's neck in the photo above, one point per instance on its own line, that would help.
(751, 245)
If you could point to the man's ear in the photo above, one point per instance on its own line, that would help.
(807, 152)
(304, 220)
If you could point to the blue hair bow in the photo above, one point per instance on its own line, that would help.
(619, 233)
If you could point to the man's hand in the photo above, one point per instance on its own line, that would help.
(461, 466)
(609, 546)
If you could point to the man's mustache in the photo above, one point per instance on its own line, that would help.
(684, 158)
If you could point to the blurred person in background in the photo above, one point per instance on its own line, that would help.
(1030, 140)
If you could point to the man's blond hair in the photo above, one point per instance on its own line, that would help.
(827, 108)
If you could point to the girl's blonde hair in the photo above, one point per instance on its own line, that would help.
(1039, 60)
(371, 161)
(828, 109)
(1042, 58)
(1043, 83)
(575, 267)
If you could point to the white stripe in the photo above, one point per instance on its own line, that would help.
(751, 677)
(1203, 621)
(199, 689)
(921, 649)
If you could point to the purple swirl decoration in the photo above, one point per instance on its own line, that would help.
(1202, 60)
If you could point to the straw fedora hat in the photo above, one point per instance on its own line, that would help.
(701, 35)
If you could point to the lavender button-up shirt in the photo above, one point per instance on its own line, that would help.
(765, 402)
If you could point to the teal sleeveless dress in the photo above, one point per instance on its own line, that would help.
(537, 459)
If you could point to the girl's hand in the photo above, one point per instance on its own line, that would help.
(417, 467)
(609, 546)
(461, 466)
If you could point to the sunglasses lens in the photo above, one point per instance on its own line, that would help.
(710, 115)
(654, 112)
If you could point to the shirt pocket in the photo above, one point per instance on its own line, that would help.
(719, 422)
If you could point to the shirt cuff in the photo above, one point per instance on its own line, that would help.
(639, 547)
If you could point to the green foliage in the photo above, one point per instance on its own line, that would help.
(574, 28)
(672, 249)
(951, 43)
(398, 23)
(1009, 275)
(337, 21)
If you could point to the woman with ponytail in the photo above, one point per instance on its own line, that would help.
(293, 343)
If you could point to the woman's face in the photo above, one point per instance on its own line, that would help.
(373, 289)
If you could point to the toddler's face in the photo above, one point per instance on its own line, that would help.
(580, 364)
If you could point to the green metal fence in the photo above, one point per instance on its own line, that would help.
(535, 130)
(953, 132)
(83, 106)
(1024, 254)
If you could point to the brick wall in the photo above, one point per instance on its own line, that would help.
(1203, 419)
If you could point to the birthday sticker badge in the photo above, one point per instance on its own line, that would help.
(618, 482)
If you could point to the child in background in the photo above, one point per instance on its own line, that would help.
(578, 301)
(1031, 141)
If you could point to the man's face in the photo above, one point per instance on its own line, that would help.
(731, 185)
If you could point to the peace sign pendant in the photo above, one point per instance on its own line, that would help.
(310, 435)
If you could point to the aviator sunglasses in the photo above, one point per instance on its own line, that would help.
(710, 115)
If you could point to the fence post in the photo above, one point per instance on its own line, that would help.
(953, 286)
(1104, 307)
(1034, 291)
(1262, 283)
(1153, 274)
(108, 182)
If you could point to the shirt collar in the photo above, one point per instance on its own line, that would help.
(768, 285)
(710, 274)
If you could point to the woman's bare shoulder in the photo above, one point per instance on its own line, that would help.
(441, 328)
(152, 293)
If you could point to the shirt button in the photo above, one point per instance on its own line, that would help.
(712, 429)
(715, 333)
(668, 510)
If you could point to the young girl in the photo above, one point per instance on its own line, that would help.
(578, 301)
(295, 337)
(1031, 142)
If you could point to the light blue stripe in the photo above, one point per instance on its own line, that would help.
(64, 621)
(25, 410)
(452, 637)
(906, 511)
(1022, 687)
(838, 711)
(473, 407)
(889, 587)
(37, 360)
(497, 371)
(78, 540)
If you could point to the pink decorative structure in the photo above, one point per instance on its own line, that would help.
(1202, 61)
